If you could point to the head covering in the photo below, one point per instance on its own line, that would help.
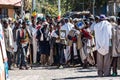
(5, 20)
(102, 17)
(91, 17)
(43, 19)
(20, 21)
(28, 22)
(66, 18)
(97, 17)
(118, 20)
(112, 18)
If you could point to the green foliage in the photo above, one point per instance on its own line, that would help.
(51, 6)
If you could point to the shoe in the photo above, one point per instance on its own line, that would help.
(100, 75)
(61, 67)
(22, 68)
(114, 74)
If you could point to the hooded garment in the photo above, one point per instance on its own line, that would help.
(103, 34)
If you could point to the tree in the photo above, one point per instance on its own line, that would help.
(51, 6)
(27, 5)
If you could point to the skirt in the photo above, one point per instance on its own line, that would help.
(44, 47)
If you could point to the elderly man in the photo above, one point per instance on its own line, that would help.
(103, 35)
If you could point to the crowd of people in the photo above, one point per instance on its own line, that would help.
(94, 41)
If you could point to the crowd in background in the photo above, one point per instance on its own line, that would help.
(68, 42)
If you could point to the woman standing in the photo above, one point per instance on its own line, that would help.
(43, 39)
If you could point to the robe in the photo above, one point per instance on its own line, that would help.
(114, 41)
(34, 42)
(103, 34)
(67, 27)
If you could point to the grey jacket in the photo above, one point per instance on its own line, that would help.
(114, 41)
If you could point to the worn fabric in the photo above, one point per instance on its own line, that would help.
(115, 36)
(34, 43)
(8, 35)
(103, 64)
(67, 27)
(103, 34)
(2, 41)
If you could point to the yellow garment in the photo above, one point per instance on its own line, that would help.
(26, 38)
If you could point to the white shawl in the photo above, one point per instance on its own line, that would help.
(103, 34)
(68, 27)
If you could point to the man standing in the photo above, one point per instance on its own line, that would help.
(34, 41)
(103, 35)
(23, 39)
(8, 35)
(67, 27)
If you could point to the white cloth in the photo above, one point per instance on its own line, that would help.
(15, 47)
(82, 54)
(67, 53)
(92, 26)
(68, 26)
(103, 34)
(53, 34)
(34, 42)
(75, 50)
(8, 39)
(2, 43)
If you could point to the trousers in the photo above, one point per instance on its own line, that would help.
(103, 64)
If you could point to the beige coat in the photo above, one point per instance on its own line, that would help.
(114, 52)
(79, 42)
(8, 35)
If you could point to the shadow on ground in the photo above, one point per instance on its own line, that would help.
(71, 78)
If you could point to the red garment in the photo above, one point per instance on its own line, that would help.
(74, 39)
(22, 33)
(38, 27)
(86, 34)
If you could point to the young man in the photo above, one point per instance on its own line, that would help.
(103, 33)
(23, 40)
(8, 35)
